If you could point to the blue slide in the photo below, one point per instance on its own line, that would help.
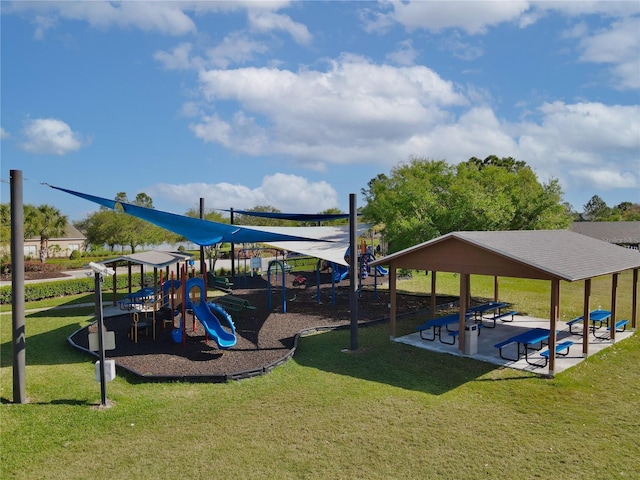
(209, 314)
(340, 272)
(381, 271)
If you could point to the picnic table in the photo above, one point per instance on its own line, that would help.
(140, 298)
(479, 312)
(597, 318)
(436, 324)
(527, 340)
(234, 304)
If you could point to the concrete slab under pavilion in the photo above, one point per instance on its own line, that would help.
(490, 336)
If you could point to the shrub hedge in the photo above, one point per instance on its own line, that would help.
(61, 288)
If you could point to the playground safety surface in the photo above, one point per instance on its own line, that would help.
(265, 339)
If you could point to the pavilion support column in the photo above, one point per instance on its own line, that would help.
(114, 301)
(432, 307)
(496, 289)
(614, 297)
(585, 315)
(141, 275)
(553, 317)
(634, 299)
(130, 275)
(465, 282)
(392, 300)
(155, 279)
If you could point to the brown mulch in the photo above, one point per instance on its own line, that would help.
(265, 338)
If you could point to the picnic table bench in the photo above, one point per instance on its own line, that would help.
(456, 333)
(234, 304)
(620, 326)
(436, 325)
(219, 282)
(560, 348)
(599, 317)
(526, 339)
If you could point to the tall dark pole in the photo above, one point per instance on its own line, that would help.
(202, 260)
(353, 264)
(103, 379)
(17, 287)
(233, 252)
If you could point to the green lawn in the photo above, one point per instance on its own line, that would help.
(388, 411)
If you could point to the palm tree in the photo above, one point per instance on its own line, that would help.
(45, 222)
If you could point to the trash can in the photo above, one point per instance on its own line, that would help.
(470, 339)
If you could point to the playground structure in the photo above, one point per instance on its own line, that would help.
(179, 296)
(340, 272)
(278, 268)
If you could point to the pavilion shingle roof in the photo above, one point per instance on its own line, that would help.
(152, 258)
(561, 254)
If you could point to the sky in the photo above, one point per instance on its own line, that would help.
(296, 105)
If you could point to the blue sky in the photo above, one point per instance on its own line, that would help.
(298, 104)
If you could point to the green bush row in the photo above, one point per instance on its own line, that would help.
(61, 288)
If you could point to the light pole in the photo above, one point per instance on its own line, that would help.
(99, 271)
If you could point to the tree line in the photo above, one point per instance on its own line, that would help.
(418, 200)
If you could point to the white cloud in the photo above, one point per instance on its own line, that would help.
(619, 45)
(284, 192)
(179, 58)
(404, 55)
(236, 48)
(265, 21)
(476, 17)
(359, 112)
(164, 17)
(462, 49)
(4, 134)
(50, 136)
(169, 18)
(343, 114)
(606, 178)
(471, 16)
(588, 145)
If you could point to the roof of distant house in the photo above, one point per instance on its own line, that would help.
(627, 233)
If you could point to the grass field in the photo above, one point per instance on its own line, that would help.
(388, 411)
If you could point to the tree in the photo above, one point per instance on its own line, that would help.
(626, 212)
(211, 252)
(240, 219)
(5, 223)
(334, 211)
(115, 228)
(423, 199)
(46, 222)
(596, 210)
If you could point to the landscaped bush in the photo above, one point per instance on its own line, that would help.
(75, 255)
(32, 267)
(61, 288)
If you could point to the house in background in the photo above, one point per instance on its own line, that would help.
(625, 234)
(58, 247)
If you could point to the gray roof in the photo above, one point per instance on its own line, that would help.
(612, 232)
(557, 254)
(152, 258)
(70, 233)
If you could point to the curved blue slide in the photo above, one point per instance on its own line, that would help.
(340, 272)
(205, 314)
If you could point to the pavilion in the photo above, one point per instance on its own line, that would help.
(553, 255)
